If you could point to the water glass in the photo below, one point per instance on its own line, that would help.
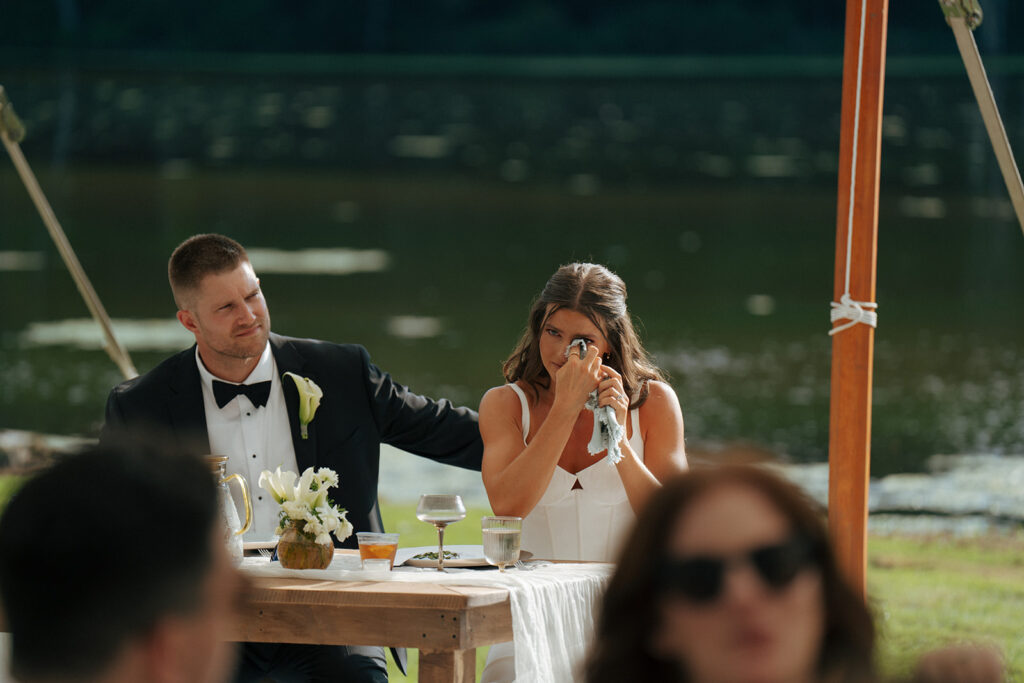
(502, 537)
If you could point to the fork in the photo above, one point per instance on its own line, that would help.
(265, 552)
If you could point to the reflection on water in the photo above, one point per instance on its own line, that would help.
(414, 326)
(85, 333)
(21, 260)
(336, 261)
(425, 213)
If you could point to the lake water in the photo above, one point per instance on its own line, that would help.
(417, 211)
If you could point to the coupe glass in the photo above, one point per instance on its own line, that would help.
(440, 510)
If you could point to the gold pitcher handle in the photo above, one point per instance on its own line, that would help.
(245, 499)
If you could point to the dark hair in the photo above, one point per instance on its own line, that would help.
(599, 294)
(83, 567)
(199, 256)
(629, 615)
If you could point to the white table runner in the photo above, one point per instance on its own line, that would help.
(553, 605)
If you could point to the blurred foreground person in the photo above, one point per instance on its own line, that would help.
(729, 576)
(114, 569)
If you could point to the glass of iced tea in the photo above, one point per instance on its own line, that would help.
(377, 546)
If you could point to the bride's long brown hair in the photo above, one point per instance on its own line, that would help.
(600, 295)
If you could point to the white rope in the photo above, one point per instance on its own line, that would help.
(847, 308)
(854, 311)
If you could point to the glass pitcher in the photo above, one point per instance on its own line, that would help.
(234, 529)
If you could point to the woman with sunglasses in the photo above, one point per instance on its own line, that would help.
(729, 576)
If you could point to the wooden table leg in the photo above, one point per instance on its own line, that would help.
(447, 666)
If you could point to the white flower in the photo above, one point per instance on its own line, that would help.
(344, 529)
(277, 483)
(309, 400)
(304, 491)
(313, 526)
(294, 509)
(327, 477)
(324, 538)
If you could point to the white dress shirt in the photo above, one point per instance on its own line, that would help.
(254, 439)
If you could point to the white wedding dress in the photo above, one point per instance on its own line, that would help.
(588, 521)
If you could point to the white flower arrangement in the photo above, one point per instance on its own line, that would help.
(306, 501)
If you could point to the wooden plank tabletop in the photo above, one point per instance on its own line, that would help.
(388, 613)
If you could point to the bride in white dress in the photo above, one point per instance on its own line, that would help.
(574, 505)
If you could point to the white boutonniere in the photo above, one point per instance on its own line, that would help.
(309, 400)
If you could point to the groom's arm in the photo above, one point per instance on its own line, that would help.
(433, 429)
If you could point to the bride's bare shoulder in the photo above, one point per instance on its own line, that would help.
(500, 399)
(661, 401)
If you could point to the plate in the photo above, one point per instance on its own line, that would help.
(465, 556)
(256, 545)
(258, 548)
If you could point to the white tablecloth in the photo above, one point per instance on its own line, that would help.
(553, 605)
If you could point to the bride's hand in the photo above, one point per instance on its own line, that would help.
(577, 378)
(611, 393)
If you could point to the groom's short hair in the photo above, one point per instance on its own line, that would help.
(197, 257)
(82, 569)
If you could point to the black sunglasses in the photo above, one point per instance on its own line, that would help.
(700, 578)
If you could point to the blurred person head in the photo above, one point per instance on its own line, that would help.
(729, 576)
(114, 568)
(582, 300)
(220, 302)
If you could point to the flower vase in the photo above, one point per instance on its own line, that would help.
(299, 550)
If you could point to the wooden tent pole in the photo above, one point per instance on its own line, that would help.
(963, 16)
(856, 235)
(11, 133)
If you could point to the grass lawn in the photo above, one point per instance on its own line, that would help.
(931, 591)
(925, 592)
(8, 484)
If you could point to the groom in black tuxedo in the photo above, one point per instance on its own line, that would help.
(229, 395)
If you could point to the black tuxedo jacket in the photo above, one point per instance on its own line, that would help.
(361, 408)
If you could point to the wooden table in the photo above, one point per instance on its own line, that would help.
(445, 623)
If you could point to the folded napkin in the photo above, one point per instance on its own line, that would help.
(607, 430)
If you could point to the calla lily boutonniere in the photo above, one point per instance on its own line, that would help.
(309, 400)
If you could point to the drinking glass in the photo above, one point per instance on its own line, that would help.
(440, 510)
(502, 537)
(377, 546)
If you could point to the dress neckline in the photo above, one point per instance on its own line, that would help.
(577, 473)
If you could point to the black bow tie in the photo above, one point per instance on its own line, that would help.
(258, 392)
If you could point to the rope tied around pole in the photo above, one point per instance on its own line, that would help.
(854, 311)
(968, 10)
(10, 124)
(847, 308)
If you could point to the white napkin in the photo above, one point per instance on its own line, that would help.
(553, 620)
(607, 430)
